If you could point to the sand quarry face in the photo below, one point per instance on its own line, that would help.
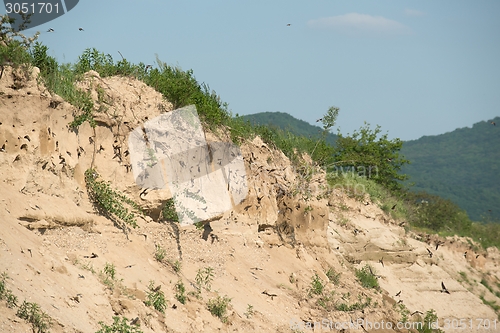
(264, 252)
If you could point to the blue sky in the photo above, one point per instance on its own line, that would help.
(413, 67)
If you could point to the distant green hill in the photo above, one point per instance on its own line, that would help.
(462, 166)
(287, 122)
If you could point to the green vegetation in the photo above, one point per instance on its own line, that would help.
(119, 325)
(156, 297)
(6, 293)
(372, 155)
(427, 327)
(160, 253)
(14, 50)
(317, 286)
(109, 202)
(464, 277)
(250, 311)
(204, 278)
(333, 276)
(459, 166)
(218, 307)
(287, 123)
(168, 212)
(108, 275)
(180, 292)
(176, 266)
(31, 312)
(359, 305)
(367, 277)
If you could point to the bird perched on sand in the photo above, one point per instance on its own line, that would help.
(443, 288)
(430, 253)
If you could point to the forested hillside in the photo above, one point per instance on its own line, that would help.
(287, 122)
(462, 166)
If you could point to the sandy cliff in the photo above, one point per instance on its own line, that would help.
(265, 252)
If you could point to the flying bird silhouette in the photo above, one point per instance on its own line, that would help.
(443, 288)
(81, 29)
(288, 25)
(50, 30)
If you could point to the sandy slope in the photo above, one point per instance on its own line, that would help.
(264, 252)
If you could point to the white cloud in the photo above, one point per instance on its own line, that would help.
(355, 24)
(413, 12)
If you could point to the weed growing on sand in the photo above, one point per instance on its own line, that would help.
(6, 293)
(218, 307)
(403, 310)
(180, 292)
(119, 325)
(367, 278)
(326, 301)
(31, 312)
(108, 275)
(250, 311)
(491, 304)
(317, 286)
(430, 317)
(176, 266)
(160, 253)
(333, 276)
(168, 212)
(156, 297)
(359, 305)
(109, 201)
(204, 278)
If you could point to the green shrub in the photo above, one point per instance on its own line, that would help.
(109, 202)
(156, 297)
(6, 293)
(204, 278)
(180, 292)
(333, 276)
(430, 317)
(168, 212)
(359, 305)
(160, 253)
(119, 325)
(47, 65)
(317, 286)
(39, 320)
(14, 49)
(367, 278)
(218, 307)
